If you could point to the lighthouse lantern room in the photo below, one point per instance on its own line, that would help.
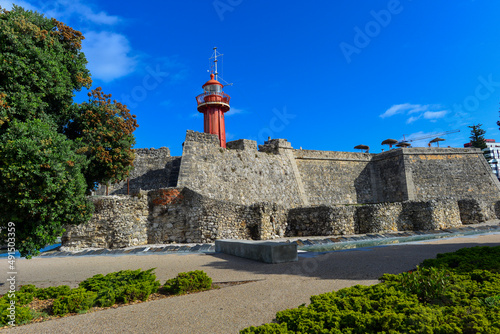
(213, 103)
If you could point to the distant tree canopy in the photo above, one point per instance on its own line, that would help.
(477, 136)
(52, 151)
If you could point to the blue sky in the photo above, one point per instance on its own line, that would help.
(326, 75)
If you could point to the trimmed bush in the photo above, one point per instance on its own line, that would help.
(22, 314)
(21, 298)
(29, 288)
(428, 284)
(76, 301)
(52, 292)
(267, 329)
(191, 281)
(137, 291)
(123, 286)
(105, 297)
(467, 259)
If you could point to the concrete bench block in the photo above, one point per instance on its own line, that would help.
(264, 251)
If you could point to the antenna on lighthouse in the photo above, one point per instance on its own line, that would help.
(216, 54)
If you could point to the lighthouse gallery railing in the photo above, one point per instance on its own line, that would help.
(201, 98)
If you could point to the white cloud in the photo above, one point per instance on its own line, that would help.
(412, 119)
(65, 9)
(108, 55)
(7, 4)
(418, 111)
(395, 109)
(402, 108)
(435, 114)
(418, 108)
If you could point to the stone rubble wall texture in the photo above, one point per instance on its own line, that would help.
(277, 173)
(243, 176)
(118, 221)
(389, 177)
(373, 218)
(335, 177)
(153, 169)
(321, 220)
(473, 211)
(183, 215)
(377, 217)
(453, 173)
(247, 193)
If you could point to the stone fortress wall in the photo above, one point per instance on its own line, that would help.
(280, 174)
(247, 193)
(153, 169)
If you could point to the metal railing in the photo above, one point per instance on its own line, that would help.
(201, 98)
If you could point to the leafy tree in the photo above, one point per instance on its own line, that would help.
(477, 136)
(105, 132)
(41, 67)
(41, 184)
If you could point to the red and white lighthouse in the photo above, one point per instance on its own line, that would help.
(213, 103)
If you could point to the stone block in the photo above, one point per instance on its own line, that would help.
(321, 220)
(375, 218)
(473, 211)
(263, 251)
(429, 215)
(242, 144)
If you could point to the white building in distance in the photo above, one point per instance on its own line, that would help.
(491, 152)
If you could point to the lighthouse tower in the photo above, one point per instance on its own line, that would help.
(213, 103)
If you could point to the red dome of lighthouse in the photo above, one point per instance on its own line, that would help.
(212, 81)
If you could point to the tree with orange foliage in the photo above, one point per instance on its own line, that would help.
(104, 130)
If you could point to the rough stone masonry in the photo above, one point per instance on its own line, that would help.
(245, 192)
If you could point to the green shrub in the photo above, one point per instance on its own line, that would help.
(52, 292)
(191, 281)
(30, 288)
(22, 314)
(76, 301)
(271, 328)
(122, 286)
(454, 297)
(428, 284)
(491, 301)
(105, 297)
(137, 291)
(468, 259)
(21, 298)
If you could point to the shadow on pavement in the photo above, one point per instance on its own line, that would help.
(354, 264)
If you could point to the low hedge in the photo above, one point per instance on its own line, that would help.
(191, 281)
(52, 292)
(21, 314)
(123, 286)
(467, 259)
(77, 300)
(100, 290)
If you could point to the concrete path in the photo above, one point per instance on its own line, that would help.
(230, 309)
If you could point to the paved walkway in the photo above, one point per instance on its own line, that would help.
(227, 310)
